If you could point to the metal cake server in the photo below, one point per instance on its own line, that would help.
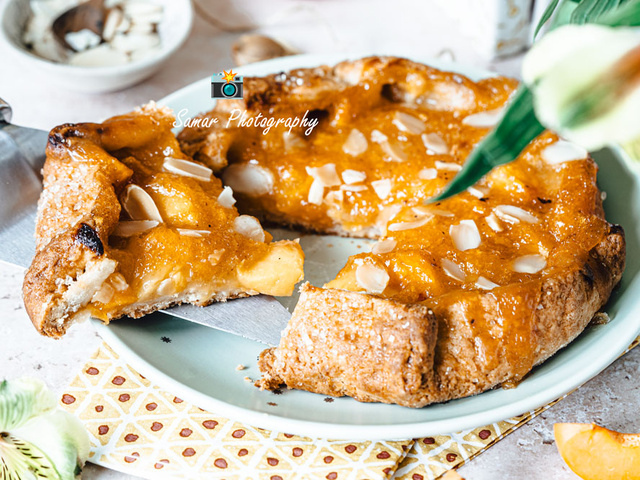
(22, 155)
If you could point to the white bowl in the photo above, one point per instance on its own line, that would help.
(173, 30)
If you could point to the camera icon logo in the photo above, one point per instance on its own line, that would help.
(226, 85)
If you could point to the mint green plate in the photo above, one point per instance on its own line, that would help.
(199, 364)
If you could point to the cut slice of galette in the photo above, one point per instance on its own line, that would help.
(128, 224)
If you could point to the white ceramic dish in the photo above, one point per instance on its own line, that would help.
(173, 30)
(199, 364)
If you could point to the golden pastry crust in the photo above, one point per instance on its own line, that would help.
(345, 343)
(193, 248)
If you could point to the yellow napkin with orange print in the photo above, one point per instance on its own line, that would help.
(137, 428)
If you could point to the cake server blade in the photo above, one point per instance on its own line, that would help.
(259, 318)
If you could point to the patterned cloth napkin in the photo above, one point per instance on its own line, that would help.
(137, 428)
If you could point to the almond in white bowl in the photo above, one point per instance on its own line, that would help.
(133, 45)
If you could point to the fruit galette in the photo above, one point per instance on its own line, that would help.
(455, 297)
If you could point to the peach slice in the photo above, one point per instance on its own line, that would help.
(595, 453)
(452, 475)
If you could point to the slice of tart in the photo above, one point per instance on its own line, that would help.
(128, 224)
(455, 298)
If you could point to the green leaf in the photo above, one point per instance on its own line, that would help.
(518, 127)
(546, 16)
(628, 15)
(588, 11)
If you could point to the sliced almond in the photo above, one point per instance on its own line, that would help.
(465, 235)
(448, 166)
(141, 7)
(428, 174)
(134, 227)
(82, 40)
(485, 283)
(215, 257)
(189, 232)
(248, 179)
(249, 227)
(101, 56)
(292, 141)
(373, 279)
(118, 282)
(114, 18)
(334, 197)
(378, 137)
(421, 210)
(408, 123)
(142, 27)
(563, 151)
(435, 144)
(326, 175)
(225, 199)
(448, 95)
(355, 144)
(478, 192)
(387, 214)
(382, 187)
(124, 25)
(513, 214)
(384, 246)
(529, 263)
(104, 295)
(187, 168)
(487, 119)
(166, 287)
(424, 210)
(353, 188)
(138, 204)
(394, 151)
(453, 270)
(401, 226)
(493, 222)
(353, 176)
(129, 42)
(316, 192)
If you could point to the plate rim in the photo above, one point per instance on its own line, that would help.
(616, 342)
